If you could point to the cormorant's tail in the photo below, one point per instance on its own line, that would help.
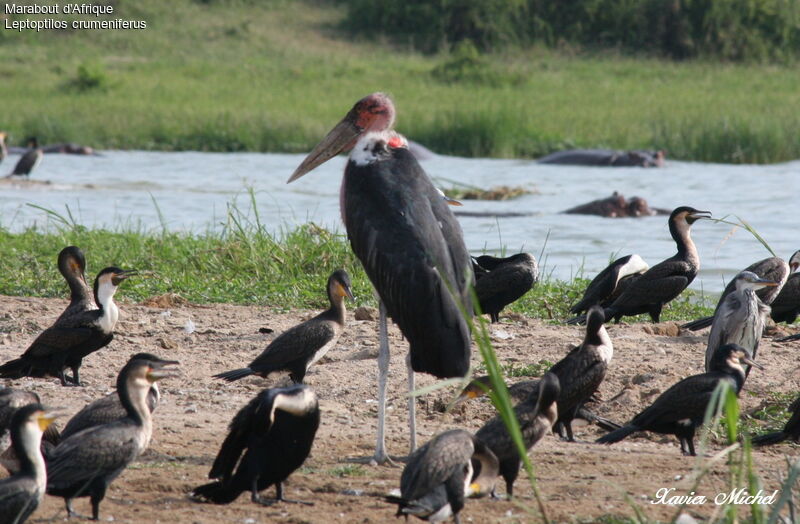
(698, 324)
(574, 321)
(770, 438)
(617, 435)
(234, 374)
(16, 368)
(603, 423)
(216, 493)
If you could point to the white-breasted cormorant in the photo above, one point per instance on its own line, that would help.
(29, 160)
(409, 242)
(791, 430)
(502, 281)
(610, 283)
(267, 440)
(71, 338)
(666, 280)
(109, 408)
(85, 464)
(681, 409)
(296, 349)
(11, 400)
(536, 416)
(21, 493)
(772, 268)
(740, 317)
(442, 473)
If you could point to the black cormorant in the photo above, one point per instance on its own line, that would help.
(610, 283)
(409, 243)
(298, 348)
(72, 266)
(682, 408)
(740, 317)
(29, 160)
(536, 416)
(666, 280)
(71, 338)
(774, 269)
(441, 474)
(791, 431)
(504, 281)
(267, 440)
(85, 464)
(786, 305)
(21, 493)
(109, 408)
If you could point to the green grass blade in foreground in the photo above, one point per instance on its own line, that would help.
(747, 227)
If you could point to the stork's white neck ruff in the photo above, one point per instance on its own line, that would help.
(374, 145)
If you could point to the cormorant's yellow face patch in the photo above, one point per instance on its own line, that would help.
(44, 419)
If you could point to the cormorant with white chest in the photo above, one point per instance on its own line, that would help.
(610, 283)
(409, 243)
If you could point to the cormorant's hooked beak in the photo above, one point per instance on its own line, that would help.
(697, 215)
(157, 373)
(336, 141)
(348, 292)
(750, 362)
(119, 276)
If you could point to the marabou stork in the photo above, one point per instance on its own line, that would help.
(409, 243)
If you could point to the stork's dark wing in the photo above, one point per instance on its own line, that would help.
(412, 250)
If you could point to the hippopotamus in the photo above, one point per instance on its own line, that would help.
(605, 157)
(616, 206)
(66, 148)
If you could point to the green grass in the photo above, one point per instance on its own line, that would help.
(275, 76)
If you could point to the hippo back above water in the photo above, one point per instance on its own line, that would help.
(605, 157)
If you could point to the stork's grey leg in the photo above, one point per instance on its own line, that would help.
(412, 418)
(381, 457)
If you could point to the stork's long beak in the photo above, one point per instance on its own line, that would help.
(336, 141)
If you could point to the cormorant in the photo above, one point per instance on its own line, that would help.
(442, 473)
(21, 493)
(109, 408)
(298, 348)
(740, 317)
(536, 415)
(267, 440)
(611, 282)
(71, 338)
(409, 243)
(10, 401)
(666, 280)
(682, 408)
(72, 266)
(774, 269)
(29, 160)
(85, 464)
(790, 431)
(504, 281)
(786, 305)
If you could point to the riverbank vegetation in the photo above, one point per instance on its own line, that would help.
(274, 76)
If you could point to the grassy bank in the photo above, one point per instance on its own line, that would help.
(242, 265)
(275, 76)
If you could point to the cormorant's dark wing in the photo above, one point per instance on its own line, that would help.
(599, 289)
(92, 453)
(250, 420)
(786, 305)
(300, 341)
(686, 399)
(504, 285)
(659, 284)
(55, 340)
(27, 162)
(412, 250)
(436, 462)
(774, 269)
(17, 498)
(579, 375)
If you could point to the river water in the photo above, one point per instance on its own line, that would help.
(192, 191)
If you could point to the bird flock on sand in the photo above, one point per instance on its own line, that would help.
(411, 247)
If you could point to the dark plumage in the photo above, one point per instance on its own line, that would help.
(29, 160)
(268, 439)
(72, 337)
(666, 280)
(442, 473)
(21, 494)
(86, 463)
(72, 266)
(10, 401)
(682, 408)
(791, 431)
(786, 306)
(610, 283)
(296, 349)
(774, 269)
(536, 415)
(504, 281)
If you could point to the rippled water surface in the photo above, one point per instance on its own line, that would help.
(193, 190)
